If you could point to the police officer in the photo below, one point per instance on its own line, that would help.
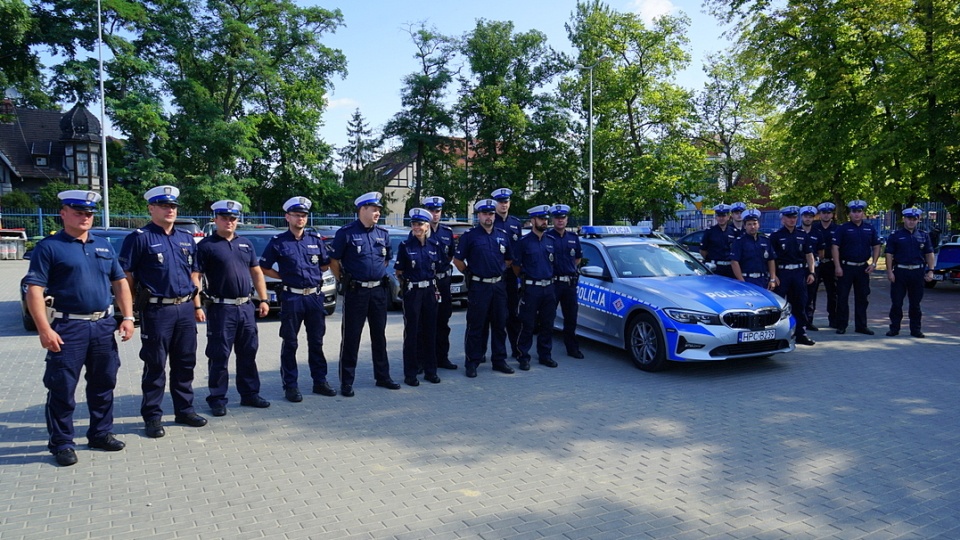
(301, 258)
(76, 271)
(534, 261)
(160, 262)
(513, 228)
(825, 228)
(568, 257)
(910, 262)
(482, 255)
(808, 215)
(227, 264)
(444, 237)
(855, 251)
(752, 255)
(795, 266)
(736, 215)
(417, 260)
(359, 257)
(715, 246)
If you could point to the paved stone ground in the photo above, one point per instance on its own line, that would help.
(854, 438)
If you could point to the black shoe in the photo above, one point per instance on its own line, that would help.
(435, 379)
(805, 340)
(411, 381)
(471, 371)
(346, 390)
(66, 457)
(919, 335)
(549, 362)
(447, 365)
(841, 330)
(503, 368)
(154, 428)
(865, 331)
(891, 333)
(389, 384)
(813, 327)
(218, 410)
(190, 419)
(255, 401)
(576, 354)
(484, 360)
(293, 395)
(324, 389)
(524, 366)
(108, 442)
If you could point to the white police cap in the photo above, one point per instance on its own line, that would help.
(738, 207)
(721, 209)
(912, 212)
(369, 198)
(539, 211)
(812, 210)
(752, 214)
(789, 210)
(433, 201)
(227, 207)
(79, 199)
(162, 195)
(826, 207)
(485, 205)
(419, 214)
(857, 205)
(559, 210)
(297, 204)
(501, 193)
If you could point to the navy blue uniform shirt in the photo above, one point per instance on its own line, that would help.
(363, 253)
(825, 236)
(298, 261)
(76, 274)
(444, 237)
(418, 261)
(855, 243)
(752, 254)
(512, 226)
(568, 251)
(160, 262)
(535, 256)
(791, 247)
(717, 242)
(226, 265)
(485, 253)
(909, 248)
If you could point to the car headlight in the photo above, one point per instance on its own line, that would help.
(785, 311)
(329, 280)
(687, 316)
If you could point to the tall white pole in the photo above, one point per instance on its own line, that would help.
(590, 122)
(103, 126)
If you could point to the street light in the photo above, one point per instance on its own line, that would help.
(581, 67)
(103, 125)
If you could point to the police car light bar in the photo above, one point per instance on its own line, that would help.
(614, 230)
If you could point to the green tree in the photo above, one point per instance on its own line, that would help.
(362, 147)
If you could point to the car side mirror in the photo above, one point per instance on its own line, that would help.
(595, 272)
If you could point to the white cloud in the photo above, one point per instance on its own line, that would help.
(342, 103)
(648, 10)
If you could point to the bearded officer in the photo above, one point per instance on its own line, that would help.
(301, 258)
(444, 237)
(513, 228)
(910, 263)
(534, 261)
(855, 251)
(568, 256)
(752, 256)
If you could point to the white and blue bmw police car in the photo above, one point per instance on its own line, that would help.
(650, 297)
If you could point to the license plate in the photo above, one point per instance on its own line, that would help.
(759, 335)
(938, 277)
(455, 288)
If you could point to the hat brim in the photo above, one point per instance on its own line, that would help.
(82, 207)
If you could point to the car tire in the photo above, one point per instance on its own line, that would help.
(646, 344)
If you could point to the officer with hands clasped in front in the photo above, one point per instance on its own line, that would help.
(301, 258)
(752, 255)
(910, 263)
(417, 259)
(69, 284)
(795, 267)
(483, 254)
(513, 228)
(715, 246)
(565, 282)
(228, 264)
(444, 237)
(855, 250)
(534, 261)
(359, 257)
(160, 263)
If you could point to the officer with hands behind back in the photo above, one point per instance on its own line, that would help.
(160, 263)
(568, 256)
(855, 251)
(228, 264)
(359, 257)
(301, 258)
(910, 262)
(417, 259)
(752, 255)
(78, 271)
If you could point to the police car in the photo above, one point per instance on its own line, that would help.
(655, 300)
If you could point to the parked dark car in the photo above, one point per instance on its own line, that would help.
(191, 226)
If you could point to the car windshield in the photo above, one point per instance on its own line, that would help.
(259, 241)
(653, 260)
(114, 237)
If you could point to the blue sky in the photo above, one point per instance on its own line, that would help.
(379, 52)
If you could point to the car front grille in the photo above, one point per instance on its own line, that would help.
(752, 320)
(756, 347)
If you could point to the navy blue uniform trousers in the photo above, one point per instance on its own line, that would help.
(232, 327)
(793, 287)
(444, 311)
(854, 277)
(89, 345)
(538, 309)
(298, 310)
(419, 331)
(826, 274)
(512, 321)
(486, 314)
(167, 330)
(566, 295)
(906, 283)
(362, 305)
